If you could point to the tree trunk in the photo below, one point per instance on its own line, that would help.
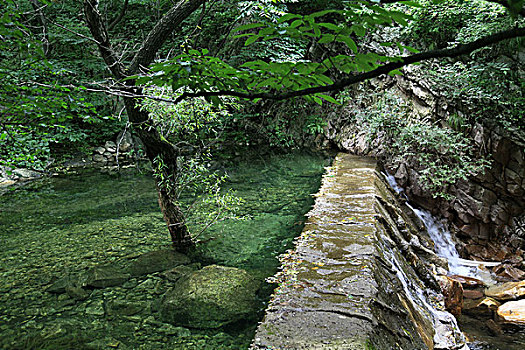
(157, 148)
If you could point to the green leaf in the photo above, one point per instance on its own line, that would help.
(399, 17)
(359, 30)
(395, 72)
(296, 23)
(326, 38)
(287, 17)
(330, 26)
(411, 4)
(317, 31)
(328, 98)
(324, 13)
(251, 40)
(349, 42)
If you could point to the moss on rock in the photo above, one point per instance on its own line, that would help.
(210, 298)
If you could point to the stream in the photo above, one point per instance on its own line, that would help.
(65, 224)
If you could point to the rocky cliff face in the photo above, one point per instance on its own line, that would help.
(485, 210)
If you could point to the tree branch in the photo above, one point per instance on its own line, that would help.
(119, 17)
(459, 50)
(46, 46)
(99, 31)
(162, 30)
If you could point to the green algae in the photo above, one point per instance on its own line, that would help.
(69, 224)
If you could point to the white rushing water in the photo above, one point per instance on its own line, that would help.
(447, 334)
(392, 182)
(444, 244)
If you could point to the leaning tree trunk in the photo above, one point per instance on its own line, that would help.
(156, 147)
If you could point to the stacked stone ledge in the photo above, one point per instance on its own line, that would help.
(124, 151)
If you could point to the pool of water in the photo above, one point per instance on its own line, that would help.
(70, 223)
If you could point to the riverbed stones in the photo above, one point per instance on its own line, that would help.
(95, 308)
(472, 294)
(125, 308)
(157, 261)
(60, 285)
(506, 291)
(210, 298)
(77, 293)
(512, 312)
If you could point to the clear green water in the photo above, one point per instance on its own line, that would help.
(71, 223)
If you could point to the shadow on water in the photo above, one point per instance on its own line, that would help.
(69, 224)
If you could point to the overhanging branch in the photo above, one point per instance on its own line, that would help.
(162, 30)
(459, 50)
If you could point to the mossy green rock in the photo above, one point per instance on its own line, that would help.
(210, 298)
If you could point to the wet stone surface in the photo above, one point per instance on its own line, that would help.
(331, 295)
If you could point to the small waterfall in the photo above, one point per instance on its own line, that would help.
(392, 182)
(445, 324)
(444, 244)
(445, 248)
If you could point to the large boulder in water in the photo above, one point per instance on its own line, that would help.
(210, 298)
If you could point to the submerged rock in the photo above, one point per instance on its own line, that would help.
(105, 276)
(77, 293)
(210, 298)
(512, 312)
(95, 308)
(506, 291)
(60, 285)
(156, 261)
(125, 308)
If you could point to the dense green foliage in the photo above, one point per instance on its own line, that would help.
(44, 108)
(52, 100)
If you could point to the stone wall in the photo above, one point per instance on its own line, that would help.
(487, 208)
(124, 151)
(353, 279)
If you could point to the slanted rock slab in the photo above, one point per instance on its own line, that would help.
(157, 261)
(105, 276)
(506, 291)
(210, 298)
(483, 307)
(513, 312)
